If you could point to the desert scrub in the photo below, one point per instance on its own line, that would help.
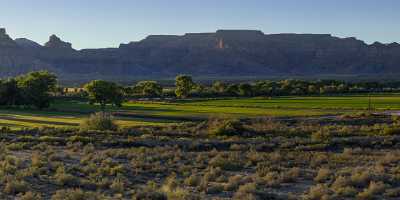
(225, 127)
(248, 191)
(77, 194)
(117, 186)
(13, 186)
(64, 179)
(100, 121)
(193, 180)
(173, 191)
(229, 162)
(318, 192)
(30, 196)
(322, 135)
(375, 188)
(323, 175)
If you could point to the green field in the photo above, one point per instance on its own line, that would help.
(69, 113)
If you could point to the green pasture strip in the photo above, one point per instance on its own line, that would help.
(69, 113)
(227, 109)
(338, 102)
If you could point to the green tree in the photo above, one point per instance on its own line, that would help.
(104, 92)
(184, 84)
(10, 94)
(37, 87)
(219, 87)
(149, 88)
(232, 90)
(245, 89)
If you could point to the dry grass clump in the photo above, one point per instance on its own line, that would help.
(30, 196)
(63, 178)
(13, 186)
(247, 191)
(193, 180)
(77, 194)
(321, 135)
(227, 161)
(375, 188)
(323, 175)
(319, 192)
(117, 186)
(173, 190)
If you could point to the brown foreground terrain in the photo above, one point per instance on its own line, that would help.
(346, 157)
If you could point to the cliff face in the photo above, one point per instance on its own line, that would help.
(223, 53)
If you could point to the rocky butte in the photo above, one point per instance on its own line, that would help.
(223, 53)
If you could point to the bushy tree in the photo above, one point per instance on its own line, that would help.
(36, 88)
(232, 90)
(149, 88)
(10, 94)
(245, 89)
(219, 87)
(184, 84)
(104, 92)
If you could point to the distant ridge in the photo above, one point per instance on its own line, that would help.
(223, 53)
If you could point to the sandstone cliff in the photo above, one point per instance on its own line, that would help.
(223, 53)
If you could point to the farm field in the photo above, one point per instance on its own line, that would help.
(69, 113)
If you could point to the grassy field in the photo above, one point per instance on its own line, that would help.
(69, 113)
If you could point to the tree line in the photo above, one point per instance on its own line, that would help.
(36, 89)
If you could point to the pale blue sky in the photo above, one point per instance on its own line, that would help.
(107, 23)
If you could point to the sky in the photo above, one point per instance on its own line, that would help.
(107, 23)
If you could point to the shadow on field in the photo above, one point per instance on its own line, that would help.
(11, 118)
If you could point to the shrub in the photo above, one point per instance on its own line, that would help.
(30, 196)
(100, 121)
(192, 180)
(341, 182)
(391, 131)
(395, 192)
(117, 186)
(15, 186)
(149, 192)
(362, 178)
(348, 191)
(321, 135)
(375, 188)
(318, 192)
(173, 191)
(225, 127)
(233, 183)
(323, 175)
(247, 191)
(76, 194)
(63, 178)
(291, 175)
(226, 162)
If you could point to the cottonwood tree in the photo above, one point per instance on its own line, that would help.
(10, 94)
(245, 89)
(104, 92)
(184, 84)
(149, 88)
(36, 88)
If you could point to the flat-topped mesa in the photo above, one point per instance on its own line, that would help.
(57, 43)
(160, 39)
(240, 34)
